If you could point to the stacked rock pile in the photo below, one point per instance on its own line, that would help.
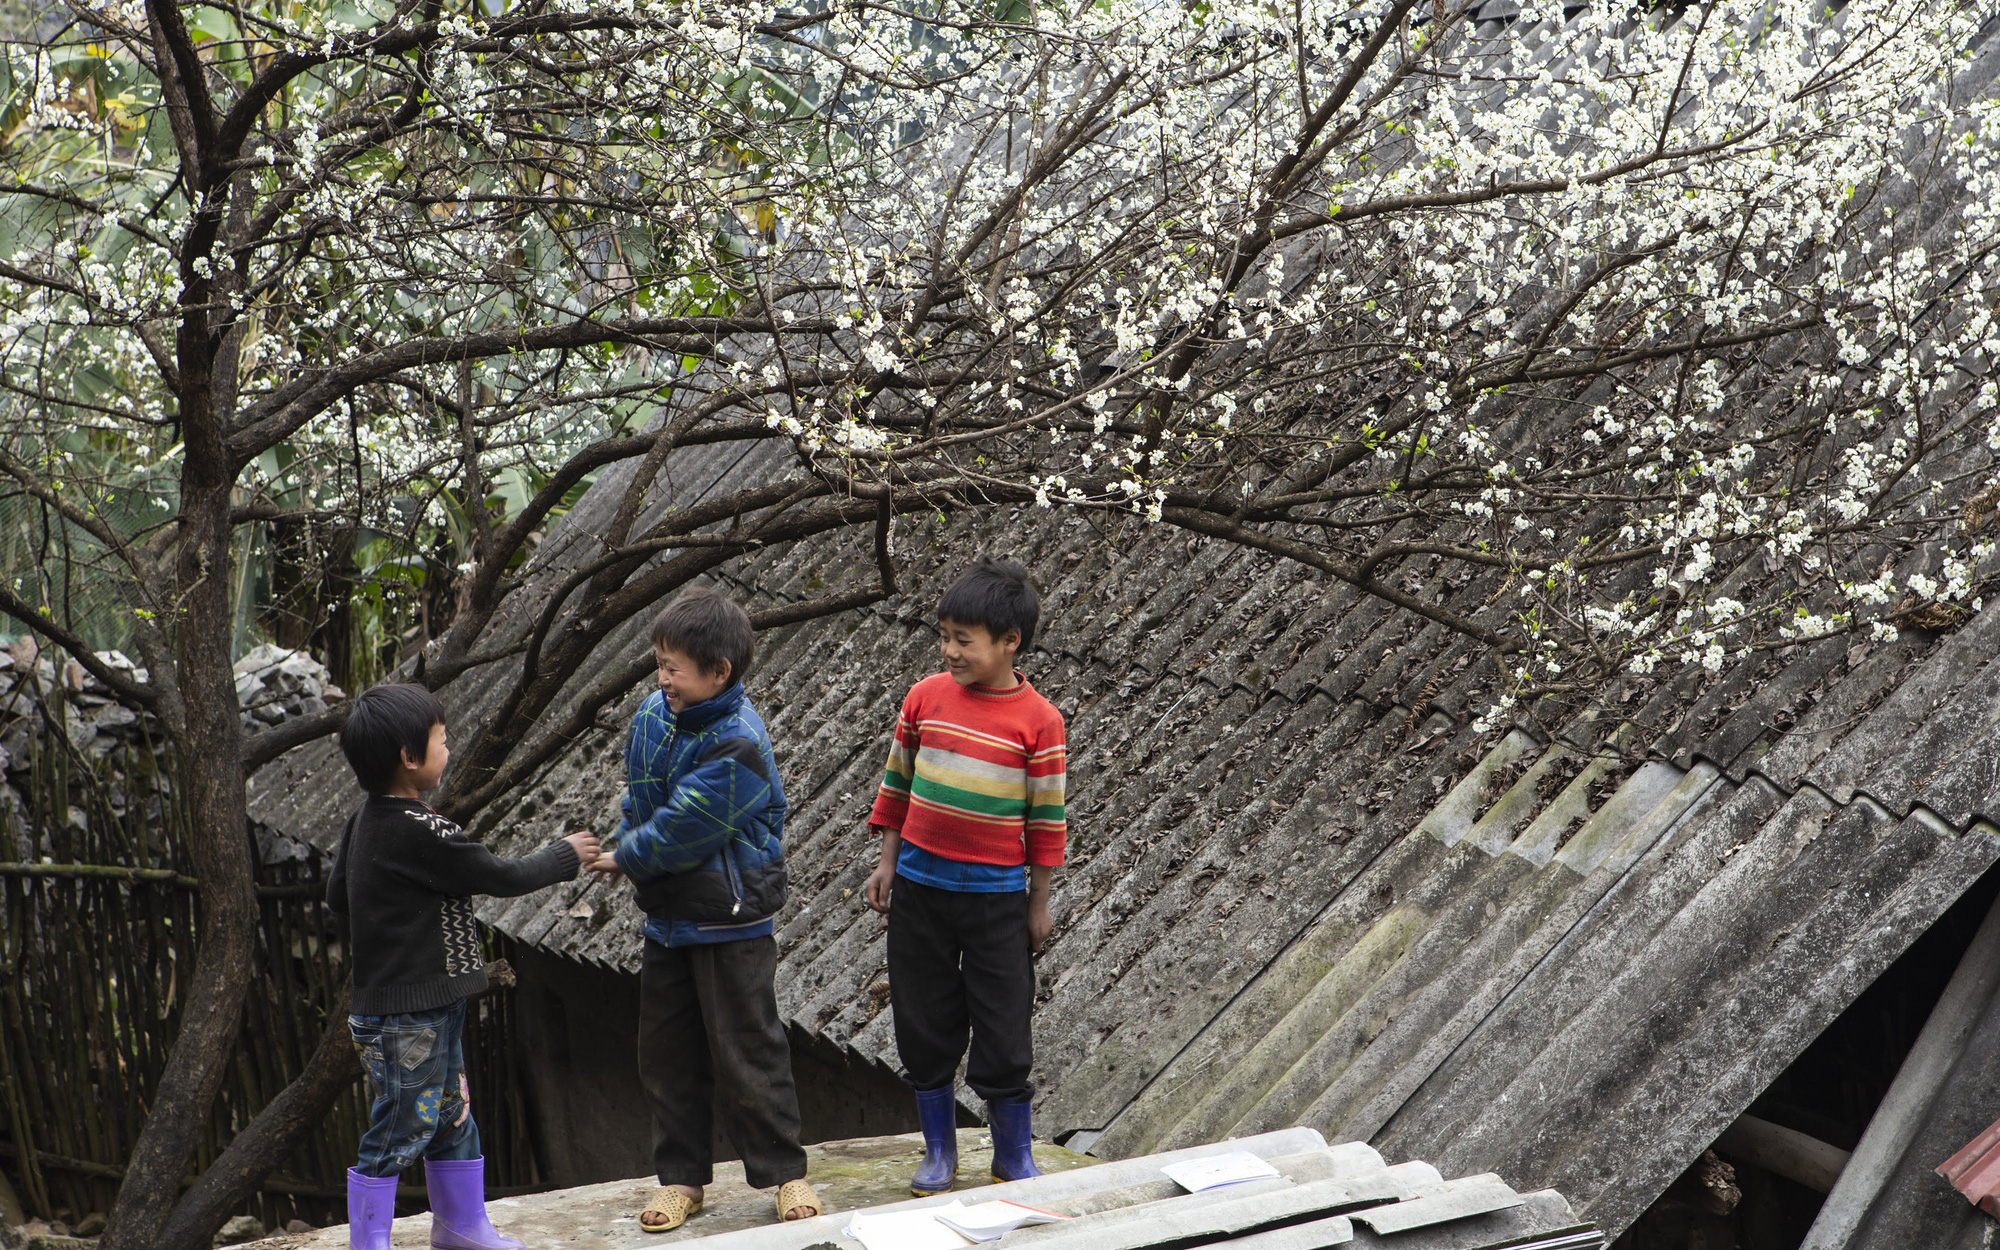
(272, 683)
(92, 719)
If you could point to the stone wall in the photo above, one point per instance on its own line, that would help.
(272, 684)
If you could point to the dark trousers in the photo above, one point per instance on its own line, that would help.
(711, 1046)
(959, 962)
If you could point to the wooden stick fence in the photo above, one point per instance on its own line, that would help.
(99, 921)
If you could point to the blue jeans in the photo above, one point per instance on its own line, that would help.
(416, 1072)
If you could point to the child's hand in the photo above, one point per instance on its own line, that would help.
(606, 863)
(877, 889)
(1039, 923)
(584, 843)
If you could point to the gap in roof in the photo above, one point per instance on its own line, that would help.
(1830, 1093)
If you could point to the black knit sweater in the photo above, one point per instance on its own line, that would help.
(403, 880)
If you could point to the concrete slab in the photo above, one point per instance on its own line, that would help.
(862, 1172)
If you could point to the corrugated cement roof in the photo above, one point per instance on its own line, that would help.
(1324, 1197)
(1291, 900)
(1584, 993)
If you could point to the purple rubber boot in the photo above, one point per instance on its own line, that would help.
(371, 1207)
(937, 1115)
(458, 1207)
(1013, 1142)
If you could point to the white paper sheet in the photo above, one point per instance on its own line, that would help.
(908, 1230)
(1215, 1171)
(989, 1221)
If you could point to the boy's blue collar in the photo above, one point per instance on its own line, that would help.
(701, 715)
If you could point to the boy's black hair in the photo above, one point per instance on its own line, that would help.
(996, 594)
(708, 628)
(385, 722)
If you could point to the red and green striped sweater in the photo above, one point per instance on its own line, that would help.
(976, 774)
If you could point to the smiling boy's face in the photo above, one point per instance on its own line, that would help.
(428, 772)
(974, 657)
(686, 683)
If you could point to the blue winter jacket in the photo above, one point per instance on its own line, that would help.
(703, 834)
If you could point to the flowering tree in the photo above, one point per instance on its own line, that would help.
(1674, 323)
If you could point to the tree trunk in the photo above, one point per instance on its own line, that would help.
(266, 1140)
(211, 771)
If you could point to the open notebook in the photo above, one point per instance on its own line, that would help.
(986, 1221)
(950, 1227)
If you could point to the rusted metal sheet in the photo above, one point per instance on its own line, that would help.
(1975, 1170)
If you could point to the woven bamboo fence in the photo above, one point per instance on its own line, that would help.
(98, 927)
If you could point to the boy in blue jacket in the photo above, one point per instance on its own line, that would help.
(702, 841)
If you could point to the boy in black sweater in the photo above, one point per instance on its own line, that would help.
(403, 880)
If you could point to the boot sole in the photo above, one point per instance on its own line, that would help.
(942, 1189)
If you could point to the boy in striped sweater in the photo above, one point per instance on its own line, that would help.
(970, 813)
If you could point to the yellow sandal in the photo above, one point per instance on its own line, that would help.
(797, 1194)
(669, 1209)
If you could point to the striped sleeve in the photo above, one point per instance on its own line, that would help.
(892, 798)
(1047, 826)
